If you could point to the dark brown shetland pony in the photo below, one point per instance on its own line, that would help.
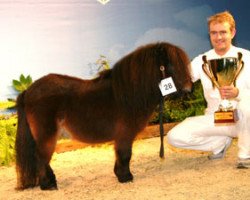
(114, 106)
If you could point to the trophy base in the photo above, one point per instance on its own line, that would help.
(226, 116)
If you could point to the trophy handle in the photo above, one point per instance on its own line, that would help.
(205, 68)
(240, 65)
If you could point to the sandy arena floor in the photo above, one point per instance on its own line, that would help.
(87, 173)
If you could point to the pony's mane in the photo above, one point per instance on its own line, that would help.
(135, 77)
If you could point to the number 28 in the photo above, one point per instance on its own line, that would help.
(168, 86)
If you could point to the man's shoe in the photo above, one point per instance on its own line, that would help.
(222, 153)
(243, 163)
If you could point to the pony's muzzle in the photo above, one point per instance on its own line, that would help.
(188, 87)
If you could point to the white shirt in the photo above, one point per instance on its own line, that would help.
(211, 94)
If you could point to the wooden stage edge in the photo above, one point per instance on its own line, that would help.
(65, 145)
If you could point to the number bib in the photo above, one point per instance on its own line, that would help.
(167, 86)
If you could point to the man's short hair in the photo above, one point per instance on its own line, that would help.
(221, 18)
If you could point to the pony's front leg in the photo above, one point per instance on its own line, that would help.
(123, 152)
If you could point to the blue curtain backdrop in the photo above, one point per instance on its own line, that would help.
(38, 37)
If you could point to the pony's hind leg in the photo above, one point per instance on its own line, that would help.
(45, 134)
(123, 152)
(47, 178)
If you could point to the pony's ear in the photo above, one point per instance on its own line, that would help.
(159, 54)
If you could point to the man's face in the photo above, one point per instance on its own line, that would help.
(221, 37)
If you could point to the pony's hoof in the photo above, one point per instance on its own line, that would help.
(25, 186)
(19, 188)
(49, 187)
(127, 178)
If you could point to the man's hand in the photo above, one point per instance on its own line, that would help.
(228, 92)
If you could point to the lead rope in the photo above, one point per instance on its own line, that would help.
(161, 109)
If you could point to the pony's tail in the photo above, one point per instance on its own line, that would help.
(26, 161)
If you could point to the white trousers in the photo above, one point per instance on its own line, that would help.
(200, 133)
